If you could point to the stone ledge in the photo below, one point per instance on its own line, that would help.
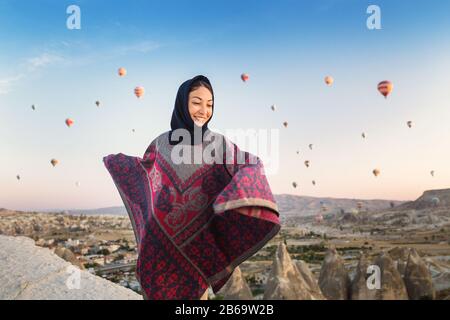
(29, 272)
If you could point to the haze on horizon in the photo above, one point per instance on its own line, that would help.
(287, 48)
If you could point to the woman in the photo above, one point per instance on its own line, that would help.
(194, 221)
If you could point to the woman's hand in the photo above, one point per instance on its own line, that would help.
(249, 211)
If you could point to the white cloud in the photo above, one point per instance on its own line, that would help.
(7, 83)
(140, 47)
(43, 60)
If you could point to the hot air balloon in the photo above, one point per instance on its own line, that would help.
(132, 130)
(432, 173)
(54, 162)
(310, 146)
(294, 184)
(33, 107)
(409, 124)
(244, 77)
(385, 88)
(329, 80)
(97, 103)
(363, 135)
(18, 177)
(307, 163)
(376, 172)
(285, 124)
(139, 91)
(435, 201)
(298, 151)
(69, 122)
(77, 184)
(122, 72)
(273, 107)
(319, 218)
(314, 182)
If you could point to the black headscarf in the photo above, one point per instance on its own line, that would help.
(181, 119)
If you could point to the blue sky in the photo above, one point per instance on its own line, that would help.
(287, 48)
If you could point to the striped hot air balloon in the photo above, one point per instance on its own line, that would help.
(385, 88)
(139, 91)
(244, 77)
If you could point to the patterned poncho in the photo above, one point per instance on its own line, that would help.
(194, 223)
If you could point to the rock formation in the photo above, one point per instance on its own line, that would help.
(392, 285)
(285, 281)
(236, 287)
(418, 281)
(31, 272)
(309, 279)
(359, 288)
(334, 280)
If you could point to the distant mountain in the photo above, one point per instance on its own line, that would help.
(116, 211)
(305, 206)
(430, 198)
(288, 205)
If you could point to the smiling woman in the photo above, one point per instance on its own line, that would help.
(194, 222)
(200, 102)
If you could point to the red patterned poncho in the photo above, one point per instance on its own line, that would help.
(193, 223)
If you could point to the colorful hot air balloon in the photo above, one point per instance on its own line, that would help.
(307, 163)
(329, 80)
(319, 218)
(376, 172)
(54, 162)
(435, 201)
(97, 103)
(285, 124)
(273, 107)
(139, 91)
(294, 184)
(69, 122)
(385, 88)
(122, 72)
(409, 124)
(310, 146)
(244, 77)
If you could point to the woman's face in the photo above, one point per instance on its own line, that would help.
(200, 105)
